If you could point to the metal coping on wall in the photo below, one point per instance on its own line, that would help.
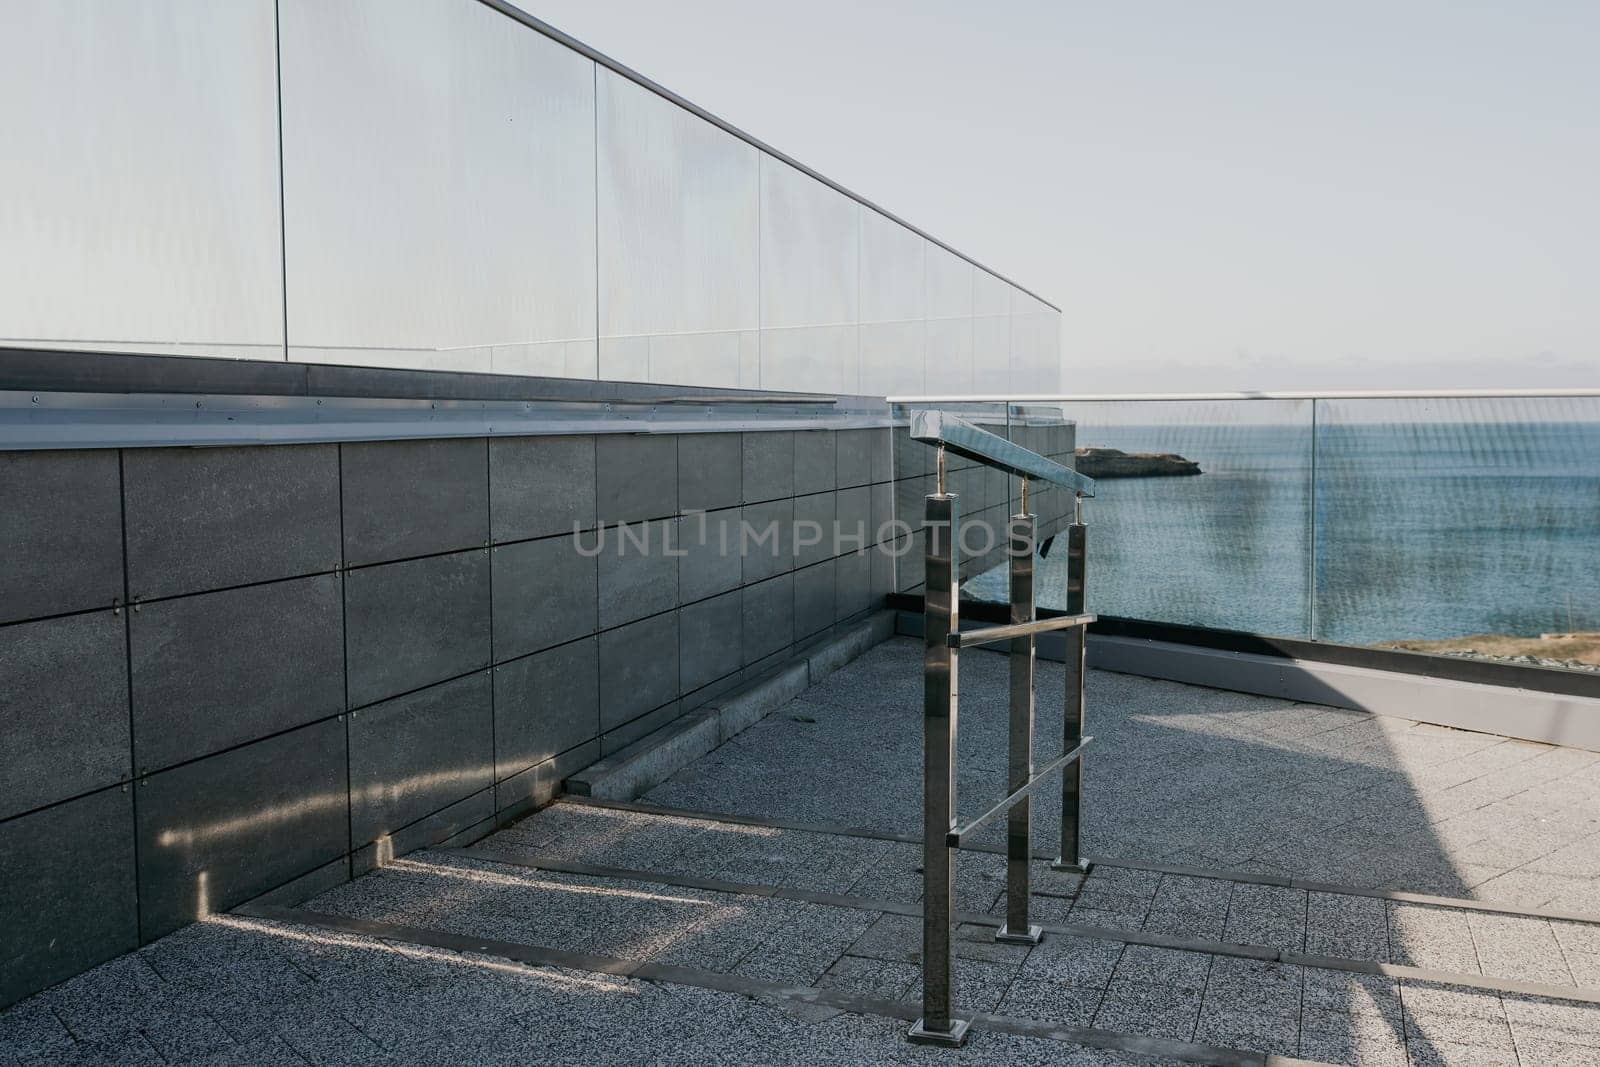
(1552, 680)
(519, 15)
(53, 398)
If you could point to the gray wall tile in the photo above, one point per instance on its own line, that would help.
(638, 571)
(768, 465)
(636, 477)
(205, 518)
(61, 525)
(414, 498)
(417, 754)
(638, 669)
(218, 669)
(218, 831)
(813, 599)
(63, 709)
(540, 486)
(631, 731)
(467, 819)
(67, 896)
(768, 539)
(768, 617)
(538, 784)
(880, 447)
(852, 458)
(710, 471)
(545, 704)
(884, 564)
(415, 623)
(852, 583)
(709, 646)
(883, 511)
(544, 594)
(711, 562)
(815, 459)
(814, 521)
(853, 516)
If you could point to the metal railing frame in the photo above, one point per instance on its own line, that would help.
(943, 640)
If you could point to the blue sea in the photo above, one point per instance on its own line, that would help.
(1383, 531)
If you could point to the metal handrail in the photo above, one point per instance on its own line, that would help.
(988, 635)
(1330, 394)
(943, 640)
(954, 434)
(957, 838)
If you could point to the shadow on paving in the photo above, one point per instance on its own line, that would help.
(1199, 777)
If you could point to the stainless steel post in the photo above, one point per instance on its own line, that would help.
(1019, 822)
(940, 618)
(1070, 858)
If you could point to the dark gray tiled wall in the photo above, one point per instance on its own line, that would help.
(418, 754)
(215, 670)
(67, 895)
(413, 498)
(337, 650)
(61, 524)
(210, 518)
(63, 709)
(218, 831)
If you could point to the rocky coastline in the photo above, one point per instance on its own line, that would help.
(1115, 463)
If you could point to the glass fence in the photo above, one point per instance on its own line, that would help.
(1456, 526)
(433, 184)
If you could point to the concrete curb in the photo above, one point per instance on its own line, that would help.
(630, 772)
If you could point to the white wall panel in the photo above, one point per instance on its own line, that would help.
(439, 187)
(139, 189)
(678, 233)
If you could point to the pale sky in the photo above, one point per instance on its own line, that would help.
(1240, 194)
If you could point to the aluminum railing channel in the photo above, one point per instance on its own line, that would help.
(989, 635)
(954, 838)
(961, 437)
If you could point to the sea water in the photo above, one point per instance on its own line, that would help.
(1355, 532)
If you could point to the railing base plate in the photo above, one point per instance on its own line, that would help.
(954, 1037)
(1029, 937)
(1080, 866)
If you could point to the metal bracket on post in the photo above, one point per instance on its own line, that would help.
(1070, 857)
(940, 618)
(1019, 821)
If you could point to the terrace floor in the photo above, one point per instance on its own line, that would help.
(1270, 880)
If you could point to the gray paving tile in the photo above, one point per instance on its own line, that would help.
(1349, 926)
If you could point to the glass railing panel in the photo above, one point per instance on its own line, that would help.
(1203, 519)
(139, 192)
(1460, 526)
(438, 189)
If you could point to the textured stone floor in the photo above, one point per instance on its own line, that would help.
(1179, 775)
(1192, 776)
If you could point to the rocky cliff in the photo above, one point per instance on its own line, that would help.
(1115, 463)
